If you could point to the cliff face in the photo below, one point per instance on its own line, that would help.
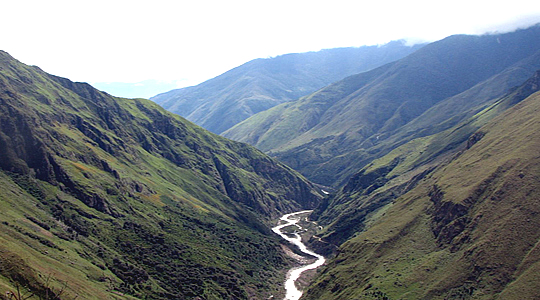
(125, 178)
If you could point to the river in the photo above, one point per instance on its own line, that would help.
(291, 291)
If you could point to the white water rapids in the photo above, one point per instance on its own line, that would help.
(291, 291)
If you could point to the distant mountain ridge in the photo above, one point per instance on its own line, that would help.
(255, 86)
(334, 132)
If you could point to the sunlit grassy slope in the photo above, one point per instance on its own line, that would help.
(464, 227)
(117, 198)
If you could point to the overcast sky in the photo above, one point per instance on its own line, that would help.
(192, 41)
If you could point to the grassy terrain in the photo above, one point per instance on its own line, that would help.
(397, 172)
(464, 230)
(115, 198)
(332, 133)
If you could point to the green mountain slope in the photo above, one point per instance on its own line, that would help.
(117, 198)
(334, 132)
(230, 98)
(432, 221)
(390, 176)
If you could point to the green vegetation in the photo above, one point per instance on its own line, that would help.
(118, 199)
(332, 133)
(435, 157)
(430, 221)
(222, 102)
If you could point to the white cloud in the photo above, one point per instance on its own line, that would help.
(131, 41)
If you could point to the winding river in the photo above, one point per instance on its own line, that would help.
(291, 291)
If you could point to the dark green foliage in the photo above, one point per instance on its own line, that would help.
(70, 216)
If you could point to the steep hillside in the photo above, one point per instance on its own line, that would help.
(230, 98)
(392, 175)
(117, 198)
(334, 132)
(460, 227)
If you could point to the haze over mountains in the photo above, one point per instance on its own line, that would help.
(222, 102)
(142, 89)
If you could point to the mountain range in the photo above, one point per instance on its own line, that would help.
(445, 204)
(222, 102)
(429, 164)
(111, 198)
(331, 134)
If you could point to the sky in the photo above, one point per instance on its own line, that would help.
(187, 42)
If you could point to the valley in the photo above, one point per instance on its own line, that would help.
(384, 172)
(289, 228)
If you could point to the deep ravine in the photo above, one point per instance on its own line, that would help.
(291, 291)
